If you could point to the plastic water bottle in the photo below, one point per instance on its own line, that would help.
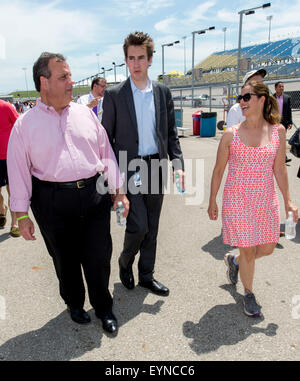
(178, 185)
(120, 210)
(290, 227)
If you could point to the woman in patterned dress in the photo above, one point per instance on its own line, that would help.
(255, 150)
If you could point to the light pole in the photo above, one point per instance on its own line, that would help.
(97, 54)
(184, 54)
(115, 69)
(246, 12)
(105, 71)
(163, 58)
(193, 56)
(224, 30)
(25, 68)
(269, 18)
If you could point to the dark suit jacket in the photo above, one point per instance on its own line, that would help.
(119, 120)
(286, 117)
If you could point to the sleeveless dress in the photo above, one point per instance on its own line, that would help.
(250, 210)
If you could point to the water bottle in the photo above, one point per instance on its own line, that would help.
(120, 210)
(290, 227)
(178, 185)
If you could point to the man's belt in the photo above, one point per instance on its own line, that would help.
(69, 184)
(149, 157)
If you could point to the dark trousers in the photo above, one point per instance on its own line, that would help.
(75, 224)
(142, 229)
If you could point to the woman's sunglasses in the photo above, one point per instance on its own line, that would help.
(246, 97)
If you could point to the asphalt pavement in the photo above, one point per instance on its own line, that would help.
(201, 319)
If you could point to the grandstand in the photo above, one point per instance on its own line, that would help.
(281, 59)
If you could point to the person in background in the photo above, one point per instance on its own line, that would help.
(235, 115)
(284, 103)
(57, 153)
(94, 99)
(8, 116)
(255, 150)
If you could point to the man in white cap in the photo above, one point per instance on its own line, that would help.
(235, 115)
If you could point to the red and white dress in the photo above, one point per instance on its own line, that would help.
(250, 212)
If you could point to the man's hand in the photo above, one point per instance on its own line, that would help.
(122, 197)
(94, 102)
(26, 228)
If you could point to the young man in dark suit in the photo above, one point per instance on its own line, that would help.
(284, 103)
(138, 115)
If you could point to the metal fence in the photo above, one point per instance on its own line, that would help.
(223, 95)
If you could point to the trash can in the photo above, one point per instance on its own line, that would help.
(208, 124)
(196, 122)
(178, 117)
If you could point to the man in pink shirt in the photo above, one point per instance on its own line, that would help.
(8, 116)
(58, 154)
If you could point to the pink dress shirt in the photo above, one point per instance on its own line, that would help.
(60, 148)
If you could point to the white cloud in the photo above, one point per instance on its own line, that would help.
(187, 21)
(166, 25)
(135, 8)
(199, 13)
(31, 28)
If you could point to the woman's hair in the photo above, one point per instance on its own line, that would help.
(271, 111)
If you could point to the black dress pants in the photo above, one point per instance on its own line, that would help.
(142, 228)
(75, 225)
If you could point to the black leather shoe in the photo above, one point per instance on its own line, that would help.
(126, 276)
(156, 287)
(109, 321)
(79, 315)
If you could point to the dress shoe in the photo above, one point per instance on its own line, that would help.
(126, 276)
(79, 315)
(109, 321)
(156, 287)
(287, 160)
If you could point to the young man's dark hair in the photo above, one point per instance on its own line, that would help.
(139, 39)
(40, 67)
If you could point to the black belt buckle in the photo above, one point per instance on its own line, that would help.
(149, 157)
(80, 184)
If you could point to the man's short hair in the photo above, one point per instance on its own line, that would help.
(139, 39)
(40, 67)
(277, 83)
(96, 81)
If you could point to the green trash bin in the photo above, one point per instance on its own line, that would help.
(208, 124)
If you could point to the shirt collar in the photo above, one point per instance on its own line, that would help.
(45, 107)
(147, 89)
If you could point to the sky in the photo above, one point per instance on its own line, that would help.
(82, 29)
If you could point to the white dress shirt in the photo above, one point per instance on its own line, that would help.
(86, 99)
(235, 116)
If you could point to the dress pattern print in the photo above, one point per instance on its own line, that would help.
(250, 210)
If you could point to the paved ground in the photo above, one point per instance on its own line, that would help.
(202, 319)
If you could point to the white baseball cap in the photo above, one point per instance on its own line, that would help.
(254, 72)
